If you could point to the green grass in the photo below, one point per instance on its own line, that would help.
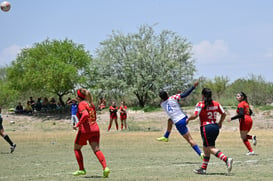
(45, 152)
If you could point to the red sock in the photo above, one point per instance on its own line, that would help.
(101, 158)
(121, 127)
(79, 158)
(221, 155)
(205, 162)
(249, 137)
(248, 146)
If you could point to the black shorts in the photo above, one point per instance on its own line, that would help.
(1, 125)
(209, 134)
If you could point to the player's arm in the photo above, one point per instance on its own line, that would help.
(186, 93)
(84, 117)
(240, 115)
(222, 118)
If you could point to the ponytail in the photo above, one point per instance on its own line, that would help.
(206, 92)
(84, 94)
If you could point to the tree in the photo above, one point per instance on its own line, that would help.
(50, 66)
(143, 63)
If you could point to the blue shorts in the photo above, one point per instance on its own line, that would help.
(181, 126)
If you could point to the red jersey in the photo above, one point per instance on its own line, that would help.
(122, 109)
(86, 125)
(245, 106)
(113, 111)
(208, 115)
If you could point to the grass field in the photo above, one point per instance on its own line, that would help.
(45, 152)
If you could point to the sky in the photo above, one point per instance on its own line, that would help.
(233, 39)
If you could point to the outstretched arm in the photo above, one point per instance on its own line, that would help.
(187, 92)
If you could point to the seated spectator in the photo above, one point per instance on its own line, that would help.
(101, 104)
(38, 105)
(28, 109)
(53, 104)
(32, 102)
(19, 109)
(45, 104)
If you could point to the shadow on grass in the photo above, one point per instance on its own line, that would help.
(224, 174)
(5, 153)
(93, 176)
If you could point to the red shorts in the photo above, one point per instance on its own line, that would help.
(113, 116)
(82, 138)
(246, 124)
(123, 116)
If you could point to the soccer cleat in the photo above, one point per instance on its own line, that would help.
(106, 172)
(229, 164)
(199, 171)
(254, 140)
(162, 139)
(202, 156)
(79, 172)
(12, 148)
(250, 153)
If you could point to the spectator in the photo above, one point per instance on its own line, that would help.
(32, 102)
(19, 109)
(28, 108)
(102, 103)
(38, 105)
(53, 104)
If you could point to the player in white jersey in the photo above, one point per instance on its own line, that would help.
(177, 116)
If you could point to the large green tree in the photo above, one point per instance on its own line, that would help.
(52, 66)
(143, 63)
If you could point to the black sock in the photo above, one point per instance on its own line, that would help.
(6, 137)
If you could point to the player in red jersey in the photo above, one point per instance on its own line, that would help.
(88, 130)
(123, 115)
(207, 110)
(244, 115)
(113, 109)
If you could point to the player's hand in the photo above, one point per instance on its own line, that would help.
(196, 84)
(75, 127)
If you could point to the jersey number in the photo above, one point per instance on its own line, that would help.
(212, 115)
(169, 108)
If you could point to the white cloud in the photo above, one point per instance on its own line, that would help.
(207, 52)
(9, 54)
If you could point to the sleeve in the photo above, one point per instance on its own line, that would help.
(83, 113)
(240, 115)
(198, 108)
(187, 92)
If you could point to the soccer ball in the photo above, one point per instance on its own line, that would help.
(5, 6)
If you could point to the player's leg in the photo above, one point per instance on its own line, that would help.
(7, 138)
(110, 124)
(94, 143)
(165, 138)
(79, 158)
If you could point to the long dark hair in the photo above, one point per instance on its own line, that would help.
(244, 95)
(206, 92)
(245, 99)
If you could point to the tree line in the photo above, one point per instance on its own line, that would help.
(126, 67)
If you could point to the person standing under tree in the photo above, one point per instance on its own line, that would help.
(4, 135)
(113, 109)
(123, 115)
(207, 110)
(244, 115)
(88, 130)
(177, 116)
(73, 109)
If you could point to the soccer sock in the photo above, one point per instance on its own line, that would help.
(197, 149)
(6, 137)
(167, 134)
(79, 158)
(221, 155)
(205, 162)
(249, 137)
(248, 146)
(121, 127)
(101, 158)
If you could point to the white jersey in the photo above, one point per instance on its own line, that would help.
(173, 109)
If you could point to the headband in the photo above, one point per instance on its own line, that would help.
(80, 94)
